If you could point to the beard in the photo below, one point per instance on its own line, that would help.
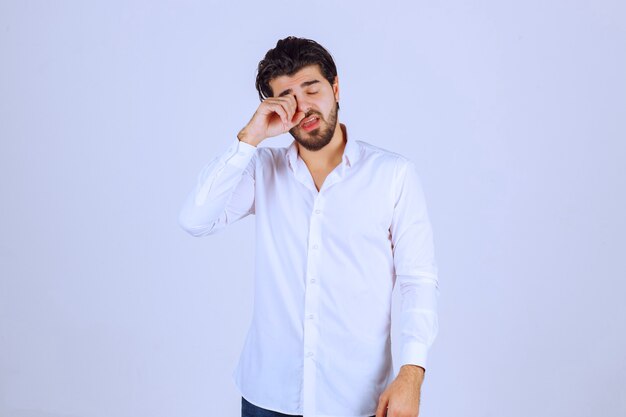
(320, 136)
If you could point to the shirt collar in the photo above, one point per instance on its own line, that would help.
(351, 152)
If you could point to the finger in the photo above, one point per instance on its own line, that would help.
(287, 102)
(280, 111)
(297, 118)
(382, 407)
(293, 104)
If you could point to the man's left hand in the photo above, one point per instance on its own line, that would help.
(402, 396)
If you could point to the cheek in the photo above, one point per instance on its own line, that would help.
(327, 109)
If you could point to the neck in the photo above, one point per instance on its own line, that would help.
(330, 155)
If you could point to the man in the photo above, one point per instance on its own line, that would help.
(338, 223)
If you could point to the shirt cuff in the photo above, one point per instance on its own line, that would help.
(240, 153)
(414, 353)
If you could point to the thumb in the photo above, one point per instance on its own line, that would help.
(297, 117)
(381, 410)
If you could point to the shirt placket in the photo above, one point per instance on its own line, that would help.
(312, 293)
(311, 304)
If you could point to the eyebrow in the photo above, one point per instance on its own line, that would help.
(304, 84)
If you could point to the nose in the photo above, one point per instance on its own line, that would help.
(302, 104)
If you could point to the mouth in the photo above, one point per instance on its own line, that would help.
(310, 123)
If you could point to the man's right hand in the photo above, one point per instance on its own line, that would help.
(274, 116)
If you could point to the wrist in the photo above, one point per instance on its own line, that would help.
(243, 136)
(414, 370)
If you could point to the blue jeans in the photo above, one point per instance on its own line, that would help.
(250, 410)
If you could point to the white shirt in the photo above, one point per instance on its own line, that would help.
(326, 263)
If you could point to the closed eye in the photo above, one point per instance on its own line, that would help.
(313, 92)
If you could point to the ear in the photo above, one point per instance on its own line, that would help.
(336, 88)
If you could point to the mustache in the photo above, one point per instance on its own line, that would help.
(306, 116)
(311, 113)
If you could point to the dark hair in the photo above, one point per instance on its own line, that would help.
(288, 57)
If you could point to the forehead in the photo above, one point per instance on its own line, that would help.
(284, 82)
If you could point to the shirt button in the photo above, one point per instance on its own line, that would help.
(318, 211)
(309, 354)
(314, 246)
(312, 280)
(310, 316)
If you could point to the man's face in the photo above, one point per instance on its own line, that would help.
(317, 99)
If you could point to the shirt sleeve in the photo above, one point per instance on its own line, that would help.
(415, 266)
(224, 191)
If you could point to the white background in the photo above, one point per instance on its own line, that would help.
(515, 113)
